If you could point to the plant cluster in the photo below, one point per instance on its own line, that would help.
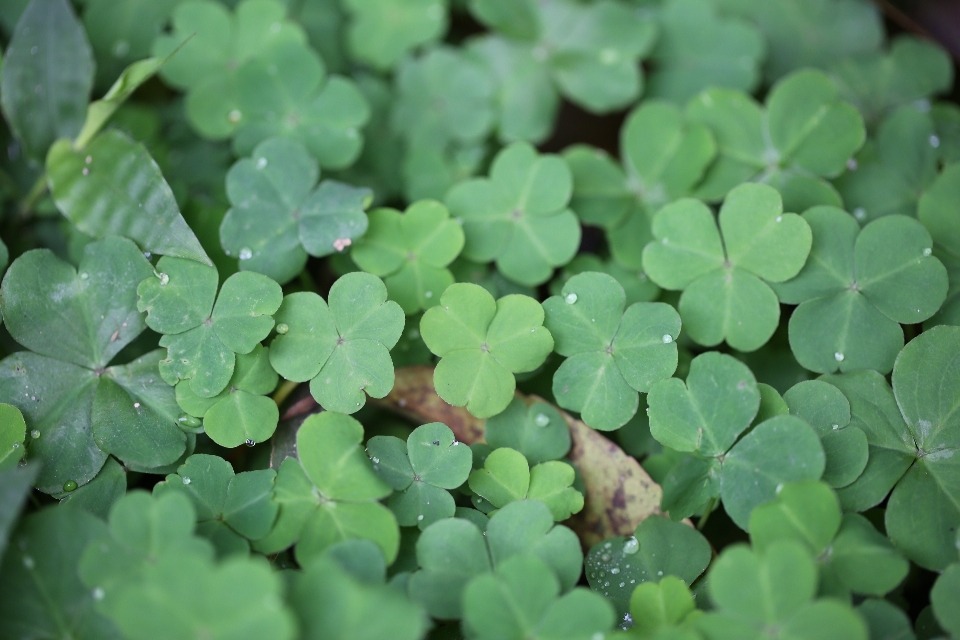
(707, 390)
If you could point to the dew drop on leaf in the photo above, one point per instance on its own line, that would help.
(164, 279)
(859, 213)
(261, 163)
(631, 546)
(188, 420)
(35, 434)
(98, 594)
(570, 298)
(614, 571)
(70, 485)
(838, 356)
(927, 251)
(246, 253)
(250, 442)
(541, 420)
(28, 562)
(667, 338)
(282, 328)
(234, 116)
(186, 480)
(934, 141)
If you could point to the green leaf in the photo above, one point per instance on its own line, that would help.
(913, 69)
(13, 430)
(453, 551)
(47, 76)
(482, 343)
(538, 432)
(16, 487)
(518, 215)
(923, 513)
(100, 494)
(37, 597)
(411, 251)
(659, 549)
(804, 133)
(635, 283)
(890, 176)
(857, 286)
(698, 48)
(779, 450)
(382, 32)
(114, 187)
(330, 493)
(208, 66)
(279, 214)
(657, 606)
(522, 599)
(886, 620)
(345, 347)
(610, 361)
(423, 469)
(724, 282)
(506, 477)
(519, 20)
(754, 591)
(708, 413)
(945, 592)
(330, 603)
(815, 33)
(938, 212)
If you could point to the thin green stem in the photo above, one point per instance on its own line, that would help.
(36, 192)
(706, 514)
(284, 391)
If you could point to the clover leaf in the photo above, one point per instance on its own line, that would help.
(507, 477)
(230, 509)
(112, 186)
(724, 272)
(382, 32)
(37, 597)
(240, 414)
(852, 555)
(521, 599)
(754, 591)
(888, 179)
(659, 549)
(330, 493)
(208, 67)
(411, 251)
(939, 213)
(698, 48)
(661, 609)
(539, 431)
(203, 330)
(519, 216)
(804, 133)
(73, 323)
(856, 288)
(591, 52)
(945, 591)
(636, 284)
(612, 354)
(330, 602)
(13, 430)
(482, 343)
(664, 158)
(913, 69)
(343, 348)
(421, 471)
(285, 93)
(827, 410)
(811, 33)
(913, 433)
(452, 551)
(279, 214)
(47, 76)
(99, 495)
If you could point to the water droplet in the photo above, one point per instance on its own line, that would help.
(614, 571)
(16, 445)
(667, 338)
(234, 116)
(852, 164)
(283, 328)
(927, 251)
(98, 594)
(631, 546)
(541, 420)
(164, 279)
(35, 434)
(84, 275)
(186, 480)
(836, 427)
(375, 459)
(608, 545)
(605, 557)
(249, 442)
(860, 213)
(136, 405)
(261, 163)
(85, 171)
(597, 636)
(70, 485)
(609, 56)
(570, 298)
(606, 584)
(246, 253)
(779, 488)
(838, 356)
(623, 584)
(188, 421)
(420, 518)
(28, 562)
(934, 141)
(428, 294)
(88, 159)
(659, 573)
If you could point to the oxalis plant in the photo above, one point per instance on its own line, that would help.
(342, 319)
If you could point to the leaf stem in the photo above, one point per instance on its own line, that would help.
(284, 391)
(36, 192)
(706, 514)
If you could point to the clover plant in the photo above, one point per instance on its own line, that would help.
(606, 319)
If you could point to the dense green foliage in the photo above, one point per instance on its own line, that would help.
(220, 279)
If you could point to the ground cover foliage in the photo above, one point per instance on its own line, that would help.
(309, 329)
